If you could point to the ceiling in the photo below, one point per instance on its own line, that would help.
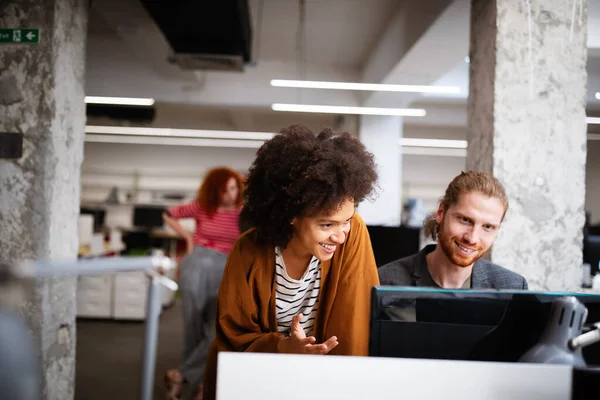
(375, 41)
(345, 40)
(338, 32)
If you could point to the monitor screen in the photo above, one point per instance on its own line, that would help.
(148, 217)
(391, 243)
(465, 324)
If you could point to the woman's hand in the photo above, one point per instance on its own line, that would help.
(298, 343)
(190, 245)
(174, 224)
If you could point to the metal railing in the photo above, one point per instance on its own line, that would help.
(154, 267)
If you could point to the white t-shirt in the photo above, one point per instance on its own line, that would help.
(297, 296)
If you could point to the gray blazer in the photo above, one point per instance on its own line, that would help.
(413, 271)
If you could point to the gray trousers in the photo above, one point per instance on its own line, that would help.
(199, 280)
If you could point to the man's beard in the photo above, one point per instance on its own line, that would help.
(448, 246)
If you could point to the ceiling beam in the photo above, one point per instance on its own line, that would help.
(422, 59)
(410, 21)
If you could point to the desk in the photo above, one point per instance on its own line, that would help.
(165, 234)
(293, 377)
(589, 290)
(171, 236)
(119, 296)
(85, 251)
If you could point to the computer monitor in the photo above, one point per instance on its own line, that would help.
(465, 324)
(393, 242)
(148, 217)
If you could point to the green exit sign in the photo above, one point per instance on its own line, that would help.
(19, 35)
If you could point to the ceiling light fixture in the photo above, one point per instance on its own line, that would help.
(598, 95)
(375, 87)
(439, 143)
(175, 141)
(177, 133)
(121, 101)
(592, 120)
(402, 112)
(429, 151)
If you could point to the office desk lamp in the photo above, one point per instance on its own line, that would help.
(562, 339)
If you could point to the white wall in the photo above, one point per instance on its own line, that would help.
(381, 136)
(427, 177)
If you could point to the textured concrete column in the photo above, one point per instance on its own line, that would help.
(42, 96)
(527, 126)
(381, 135)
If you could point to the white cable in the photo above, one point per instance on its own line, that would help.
(586, 339)
(50, 269)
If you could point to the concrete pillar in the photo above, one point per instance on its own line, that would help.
(42, 97)
(381, 135)
(527, 126)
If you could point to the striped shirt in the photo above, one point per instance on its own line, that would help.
(218, 232)
(297, 296)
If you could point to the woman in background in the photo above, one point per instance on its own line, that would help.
(216, 211)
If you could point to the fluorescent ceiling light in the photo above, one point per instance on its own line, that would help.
(429, 151)
(439, 143)
(375, 87)
(177, 133)
(592, 120)
(122, 101)
(402, 112)
(175, 141)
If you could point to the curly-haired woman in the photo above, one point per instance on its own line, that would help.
(299, 281)
(216, 211)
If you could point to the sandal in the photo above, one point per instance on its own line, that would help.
(173, 384)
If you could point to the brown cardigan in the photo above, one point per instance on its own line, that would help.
(246, 301)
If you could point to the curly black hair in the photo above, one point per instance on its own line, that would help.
(300, 174)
